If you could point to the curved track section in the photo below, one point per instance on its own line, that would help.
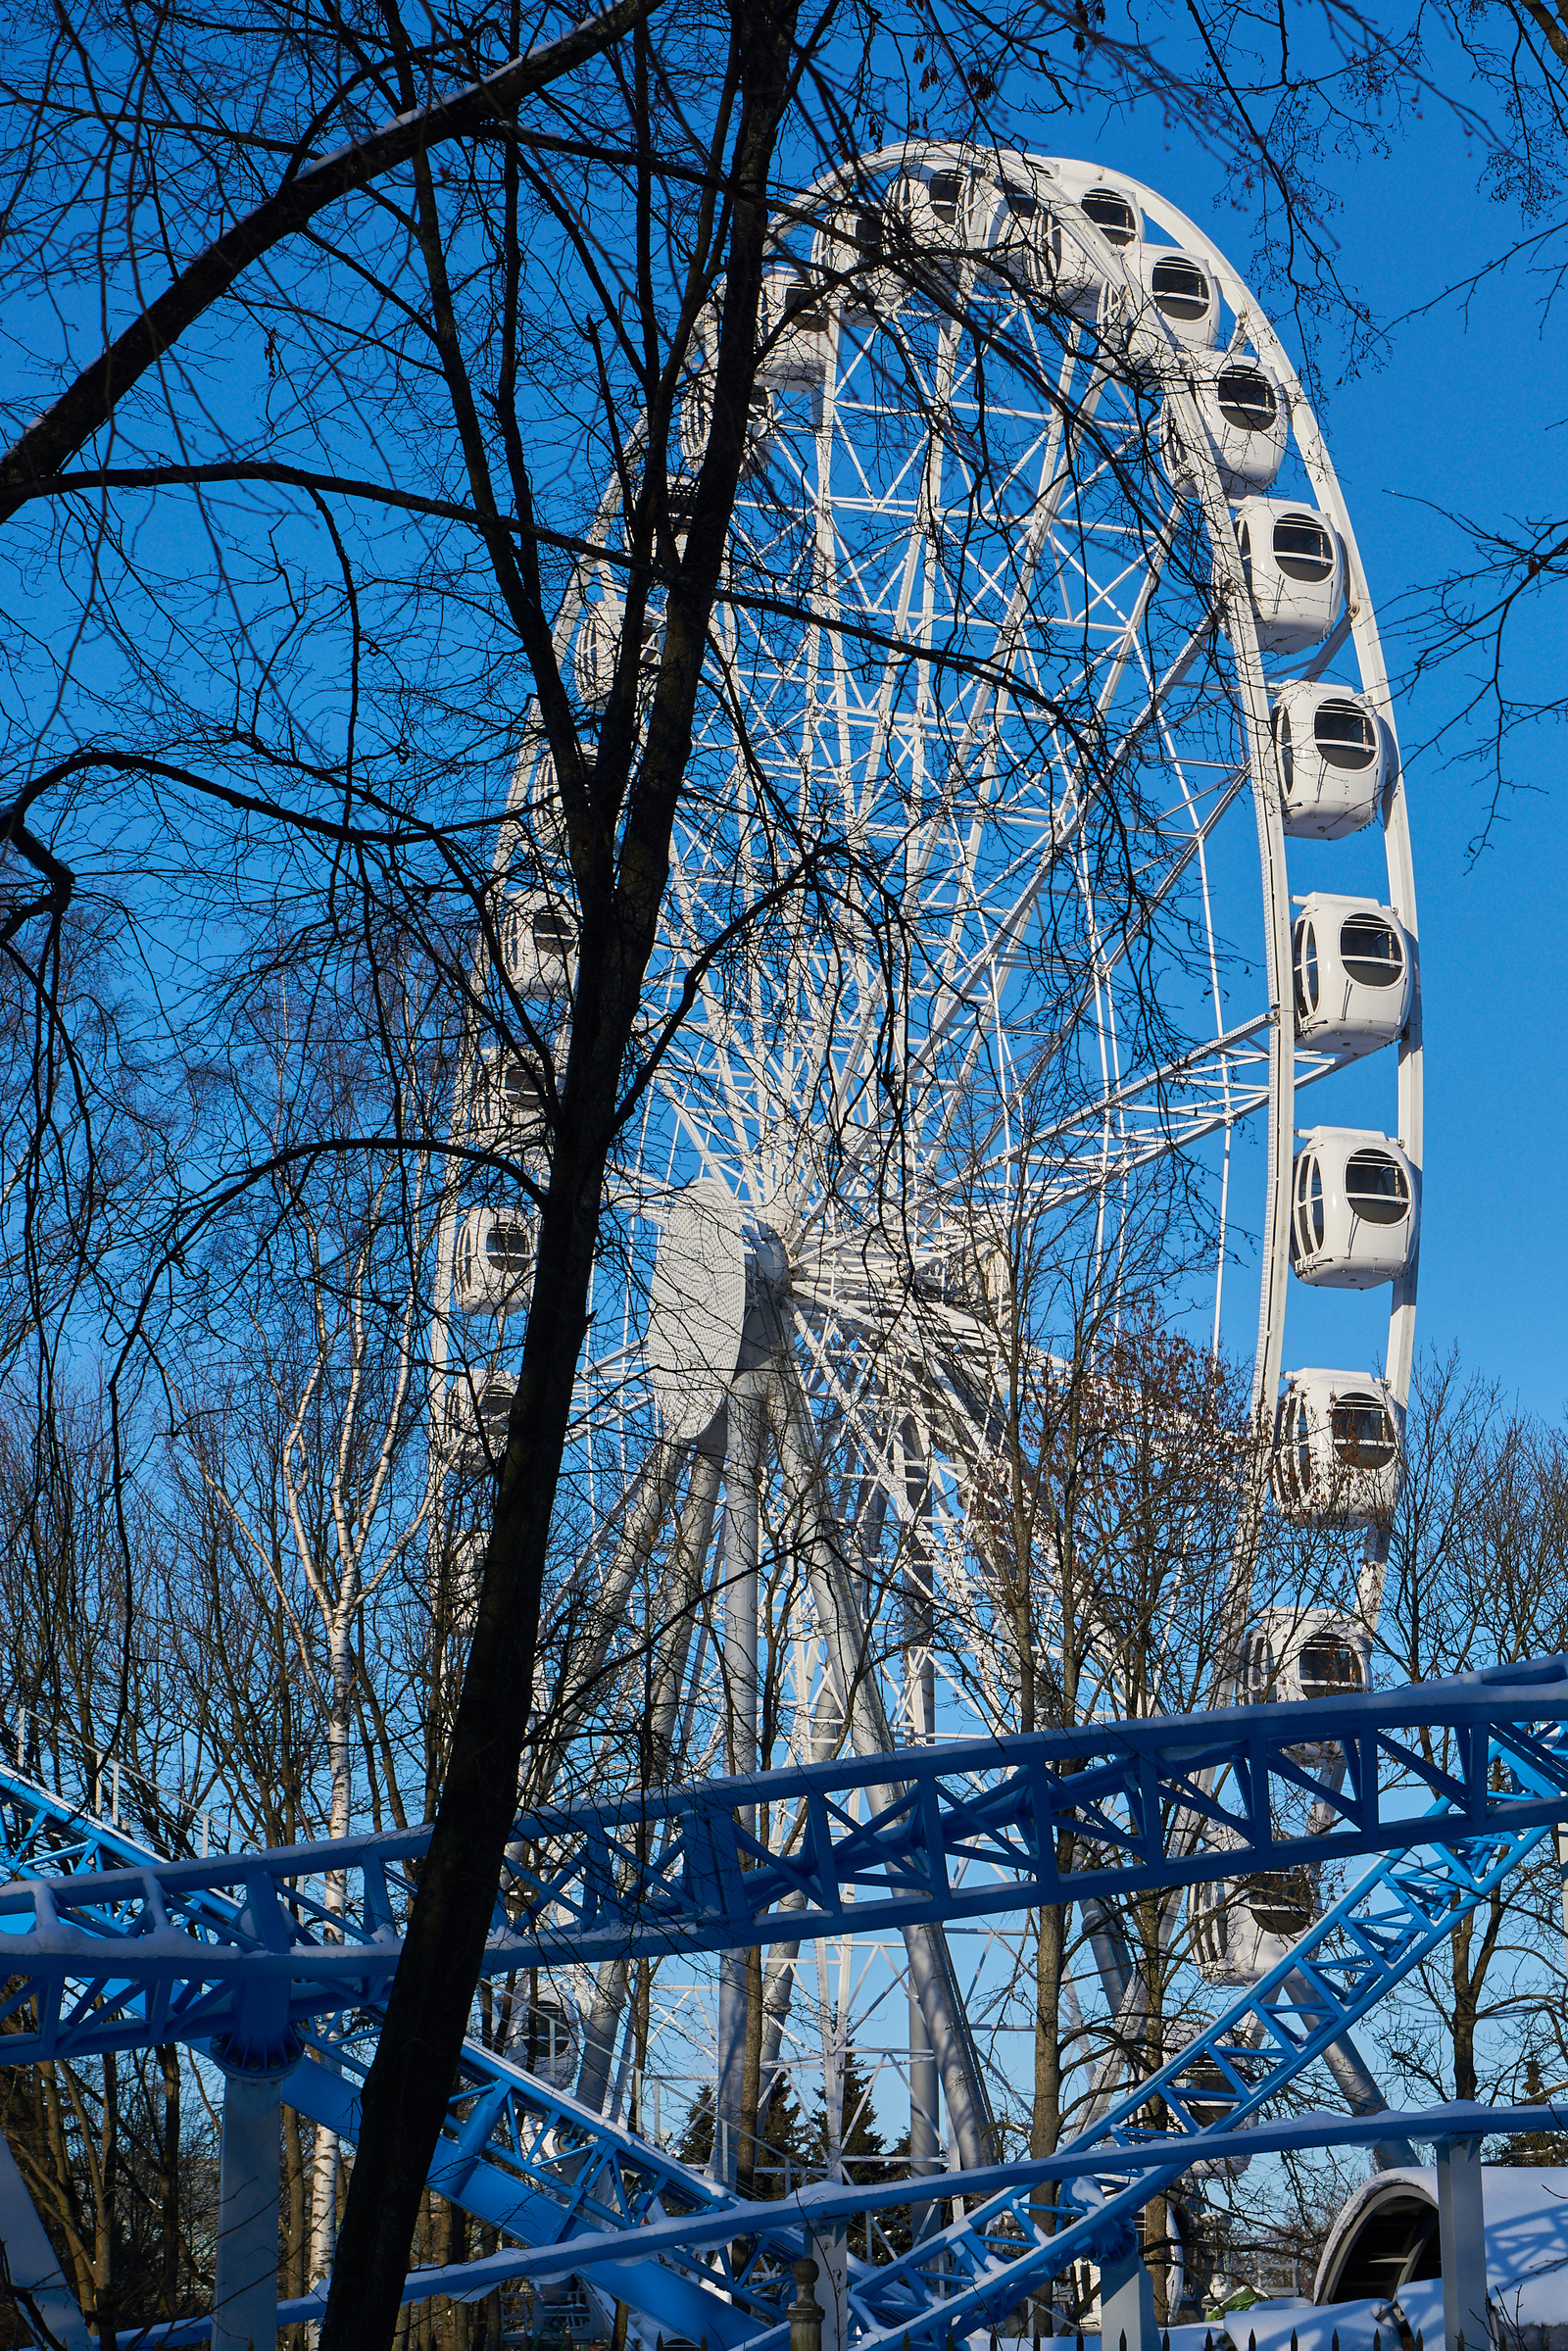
(538, 2165)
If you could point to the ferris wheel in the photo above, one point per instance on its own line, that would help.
(1043, 676)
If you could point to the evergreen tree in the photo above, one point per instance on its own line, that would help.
(787, 2154)
(1530, 2148)
(863, 2150)
(696, 2142)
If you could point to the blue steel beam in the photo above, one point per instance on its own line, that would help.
(821, 2204)
(537, 2166)
(973, 2272)
(528, 2159)
(242, 1949)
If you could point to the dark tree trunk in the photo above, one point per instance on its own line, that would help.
(428, 2010)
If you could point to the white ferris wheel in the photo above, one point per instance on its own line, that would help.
(1045, 840)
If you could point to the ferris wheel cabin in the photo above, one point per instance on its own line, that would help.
(505, 1101)
(1242, 411)
(1332, 759)
(491, 1260)
(1354, 1209)
(847, 253)
(1241, 1926)
(1172, 299)
(477, 1416)
(1294, 567)
(538, 945)
(1352, 974)
(1305, 1656)
(1337, 1449)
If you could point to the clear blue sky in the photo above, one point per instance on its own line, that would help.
(1473, 416)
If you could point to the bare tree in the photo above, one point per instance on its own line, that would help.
(431, 303)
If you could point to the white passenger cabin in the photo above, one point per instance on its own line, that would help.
(506, 1101)
(1353, 969)
(1017, 230)
(931, 206)
(1242, 411)
(492, 1258)
(1337, 1449)
(1306, 1657)
(1293, 566)
(1301, 1655)
(1354, 1209)
(1332, 759)
(477, 1417)
(1115, 214)
(848, 257)
(1172, 306)
(1242, 1926)
(538, 945)
(796, 332)
(1040, 238)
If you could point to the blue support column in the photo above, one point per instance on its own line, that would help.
(245, 2298)
(1462, 2241)
(31, 2258)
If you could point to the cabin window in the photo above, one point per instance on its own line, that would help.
(1371, 951)
(1302, 548)
(1180, 289)
(1246, 399)
(1344, 734)
(1363, 1437)
(507, 1246)
(1329, 1664)
(945, 190)
(1111, 215)
(1309, 1206)
(1375, 1187)
(1305, 970)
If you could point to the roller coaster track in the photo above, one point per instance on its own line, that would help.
(113, 1947)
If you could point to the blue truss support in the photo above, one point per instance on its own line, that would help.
(530, 2161)
(539, 2167)
(535, 2164)
(971, 2274)
(242, 1949)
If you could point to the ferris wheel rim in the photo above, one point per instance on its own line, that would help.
(1358, 623)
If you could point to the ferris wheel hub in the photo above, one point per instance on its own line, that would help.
(717, 1304)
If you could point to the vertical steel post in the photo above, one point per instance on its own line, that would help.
(1463, 2243)
(742, 1536)
(245, 2297)
(829, 2248)
(1127, 2304)
(919, 1697)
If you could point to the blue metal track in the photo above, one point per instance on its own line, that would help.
(243, 1950)
(117, 1938)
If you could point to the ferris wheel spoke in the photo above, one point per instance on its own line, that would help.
(1004, 944)
(1152, 902)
